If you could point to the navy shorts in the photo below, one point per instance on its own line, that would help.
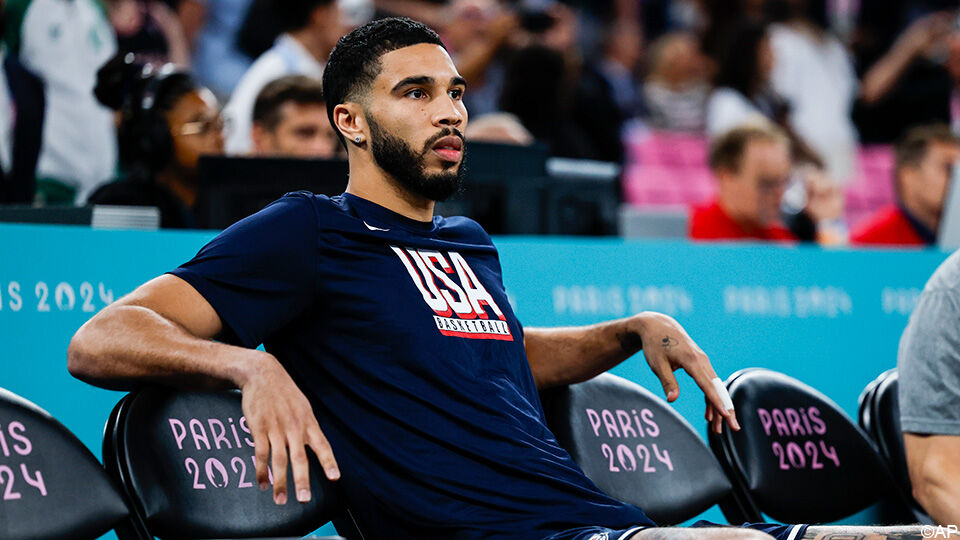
(780, 532)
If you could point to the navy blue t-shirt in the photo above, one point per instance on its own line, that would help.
(400, 334)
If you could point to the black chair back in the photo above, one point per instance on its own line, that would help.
(51, 486)
(880, 418)
(185, 461)
(798, 458)
(637, 449)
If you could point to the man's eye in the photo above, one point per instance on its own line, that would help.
(416, 93)
(456, 93)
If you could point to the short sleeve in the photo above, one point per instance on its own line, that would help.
(259, 273)
(929, 366)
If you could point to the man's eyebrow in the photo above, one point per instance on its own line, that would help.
(458, 81)
(418, 80)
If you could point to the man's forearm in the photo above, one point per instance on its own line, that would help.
(125, 345)
(561, 356)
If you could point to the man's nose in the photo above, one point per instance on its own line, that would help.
(449, 113)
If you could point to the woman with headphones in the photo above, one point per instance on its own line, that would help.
(166, 122)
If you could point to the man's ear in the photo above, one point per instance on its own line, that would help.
(723, 175)
(261, 139)
(350, 121)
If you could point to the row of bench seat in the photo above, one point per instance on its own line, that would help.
(180, 464)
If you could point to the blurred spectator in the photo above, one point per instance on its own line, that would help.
(925, 158)
(261, 26)
(501, 128)
(212, 28)
(311, 29)
(744, 93)
(909, 85)
(63, 42)
(149, 29)
(477, 33)
(537, 91)
(814, 73)
(167, 121)
(290, 119)
(676, 89)
(607, 94)
(752, 167)
(724, 20)
(21, 127)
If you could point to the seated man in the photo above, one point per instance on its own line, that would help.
(290, 119)
(929, 368)
(925, 157)
(752, 167)
(390, 342)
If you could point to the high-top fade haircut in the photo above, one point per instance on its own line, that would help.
(354, 62)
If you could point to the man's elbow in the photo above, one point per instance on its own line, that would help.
(83, 353)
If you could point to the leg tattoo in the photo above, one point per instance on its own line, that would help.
(903, 532)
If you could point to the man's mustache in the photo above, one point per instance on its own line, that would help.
(445, 132)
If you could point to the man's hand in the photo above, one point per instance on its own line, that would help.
(282, 424)
(667, 347)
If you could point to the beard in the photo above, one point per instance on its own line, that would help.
(408, 167)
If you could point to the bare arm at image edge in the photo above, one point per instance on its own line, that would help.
(929, 370)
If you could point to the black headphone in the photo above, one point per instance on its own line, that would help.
(144, 133)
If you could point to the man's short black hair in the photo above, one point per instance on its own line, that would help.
(292, 15)
(298, 89)
(355, 61)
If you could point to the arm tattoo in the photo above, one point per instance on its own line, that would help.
(668, 343)
(863, 533)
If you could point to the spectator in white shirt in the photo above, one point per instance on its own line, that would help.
(312, 28)
(63, 43)
(814, 72)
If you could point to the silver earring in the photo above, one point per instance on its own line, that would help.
(357, 139)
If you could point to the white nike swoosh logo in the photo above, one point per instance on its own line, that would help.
(372, 228)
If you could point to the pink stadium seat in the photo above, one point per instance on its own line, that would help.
(670, 169)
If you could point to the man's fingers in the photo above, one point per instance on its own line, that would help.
(717, 423)
(301, 470)
(715, 392)
(320, 446)
(261, 454)
(661, 368)
(278, 452)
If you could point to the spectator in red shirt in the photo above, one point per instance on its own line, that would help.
(752, 167)
(925, 157)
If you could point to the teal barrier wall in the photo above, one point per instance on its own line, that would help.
(830, 318)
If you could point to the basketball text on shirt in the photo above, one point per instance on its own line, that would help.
(459, 307)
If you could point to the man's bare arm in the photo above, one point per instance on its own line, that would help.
(935, 474)
(162, 333)
(560, 356)
(158, 333)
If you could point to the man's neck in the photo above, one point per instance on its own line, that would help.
(748, 226)
(928, 219)
(370, 182)
(312, 43)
